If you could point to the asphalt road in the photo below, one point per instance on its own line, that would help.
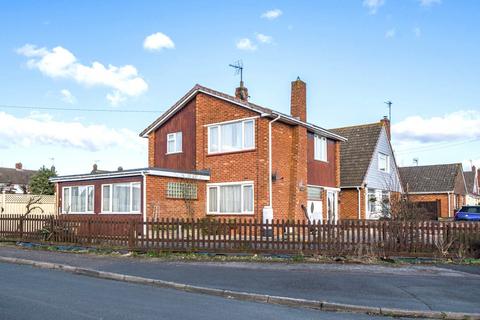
(29, 293)
(412, 287)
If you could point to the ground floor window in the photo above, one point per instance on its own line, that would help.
(230, 198)
(77, 199)
(121, 197)
(378, 204)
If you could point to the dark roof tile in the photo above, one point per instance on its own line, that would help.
(356, 153)
(433, 178)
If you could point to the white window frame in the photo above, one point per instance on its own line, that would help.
(316, 141)
(387, 162)
(131, 198)
(70, 199)
(173, 136)
(219, 132)
(242, 184)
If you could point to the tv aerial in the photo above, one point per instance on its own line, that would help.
(238, 66)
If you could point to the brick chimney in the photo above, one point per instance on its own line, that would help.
(241, 92)
(386, 123)
(18, 166)
(94, 168)
(298, 101)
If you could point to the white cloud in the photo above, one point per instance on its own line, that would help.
(272, 14)
(390, 33)
(246, 44)
(42, 129)
(262, 38)
(417, 32)
(157, 42)
(428, 3)
(67, 96)
(373, 5)
(61, 63)
(460, 125)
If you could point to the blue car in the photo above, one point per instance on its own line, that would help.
(468, 213)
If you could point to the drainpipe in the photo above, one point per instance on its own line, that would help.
(448, 195)
(144, 202)
(359, 203)
(268, 210)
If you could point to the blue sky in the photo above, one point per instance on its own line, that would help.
(354, 55)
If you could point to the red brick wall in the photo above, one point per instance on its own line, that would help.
(160, 206)
(348, 207)
(434, 197)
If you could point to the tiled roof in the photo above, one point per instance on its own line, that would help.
(356, 153)
(16, 176)
(469, 180)
(434, 178)
(262, 110)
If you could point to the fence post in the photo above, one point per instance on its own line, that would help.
(131, 234)
(52, 231)
(4, 201)
(21, 227)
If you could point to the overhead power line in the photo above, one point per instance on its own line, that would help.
(81, 109)
(436, 147)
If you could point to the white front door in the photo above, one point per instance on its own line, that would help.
(332, 207)
(314, 211)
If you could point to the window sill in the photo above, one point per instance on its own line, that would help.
(229, 152)
(177, 152)
(136, 212)
(324, 161)
(78, 212)
(230, 214)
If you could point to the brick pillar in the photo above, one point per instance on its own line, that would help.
(151, 150)
(298, 193)
(298, 100)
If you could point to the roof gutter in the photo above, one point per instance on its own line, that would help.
(121, 174)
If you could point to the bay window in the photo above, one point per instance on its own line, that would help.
(121, 197)
(232, 136)
(230, 198)
(320, 148)
(78, 199)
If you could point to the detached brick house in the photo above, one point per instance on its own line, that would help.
(369, 176)
(212, 154)
(442, 183)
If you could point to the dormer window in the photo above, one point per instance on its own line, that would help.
(320, 148)
(383, 162)
(174, 142)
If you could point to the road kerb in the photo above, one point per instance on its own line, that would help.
(246, 296)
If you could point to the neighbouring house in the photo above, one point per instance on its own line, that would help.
(216, 155)
(473, 189)
(439, 187)
(369, 176)
(15, 180)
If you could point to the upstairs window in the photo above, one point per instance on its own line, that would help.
(232, 136)
(383, 162)
(320, 146)
(174, 142)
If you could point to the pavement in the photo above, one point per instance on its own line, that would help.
(31, 293)
(436, 288)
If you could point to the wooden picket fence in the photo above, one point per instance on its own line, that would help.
(347, 237)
